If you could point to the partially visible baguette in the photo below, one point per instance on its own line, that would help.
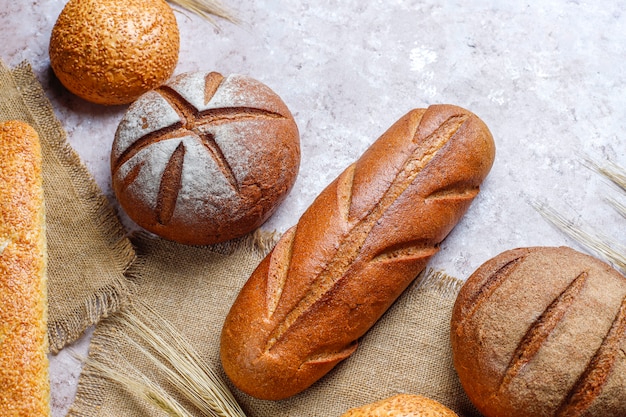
(354, 251)
(24, 381)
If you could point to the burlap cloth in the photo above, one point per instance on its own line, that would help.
(408, 350)
(87, 248)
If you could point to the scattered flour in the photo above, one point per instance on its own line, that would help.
(205, 192)
(149, 113)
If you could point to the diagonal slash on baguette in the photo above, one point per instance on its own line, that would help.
(357, 230)
(353, 252)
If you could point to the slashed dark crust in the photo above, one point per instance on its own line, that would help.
(354, 251)
(266, 135)
(541, 332)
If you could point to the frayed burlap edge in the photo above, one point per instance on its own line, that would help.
(95, 391)
(109, 298)
(92, 385)
(444, 284)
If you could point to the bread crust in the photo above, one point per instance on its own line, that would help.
(110, 52)
(402, 405)
(541, 331)
(354, 251)
(24, 384)
(205, 158)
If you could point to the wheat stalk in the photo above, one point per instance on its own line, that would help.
(138, 384)
(605, 247)
(619, 207)
(609, 170)
(206, 9)
(174, 357)
(183, 367)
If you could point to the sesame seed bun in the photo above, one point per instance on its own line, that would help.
(111, 51)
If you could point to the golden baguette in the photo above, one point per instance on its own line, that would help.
(363, 240)
(24, 381)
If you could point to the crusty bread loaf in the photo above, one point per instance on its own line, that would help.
(402, 405)
(24, 385)
(541, 332)
(354, 251)
(205, 158)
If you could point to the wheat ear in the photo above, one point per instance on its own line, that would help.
(208, 9)
(174, 356)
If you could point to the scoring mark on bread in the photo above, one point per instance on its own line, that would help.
(455, 192)
(344, 194)
(170, 185)
(592, 380)
(194, 123)
(194, 119)
(408, 250)
(330, 357)
(277, 272)
(133, 173)
(476, 299)
(540, 330)
(445, 130)
(357, 231)
(166, 133)
(208, 141)
(211, 83)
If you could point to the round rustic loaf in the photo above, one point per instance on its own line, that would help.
(402, 405)
(205, 158)
(540, 332)
(112, 51)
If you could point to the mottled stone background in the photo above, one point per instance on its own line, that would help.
(548, 78)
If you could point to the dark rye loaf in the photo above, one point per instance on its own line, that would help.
(540, 332)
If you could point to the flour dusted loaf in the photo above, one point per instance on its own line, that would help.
(402, 405)
(205, 158)
(541, 332)
(24, 385)
(353, 252)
